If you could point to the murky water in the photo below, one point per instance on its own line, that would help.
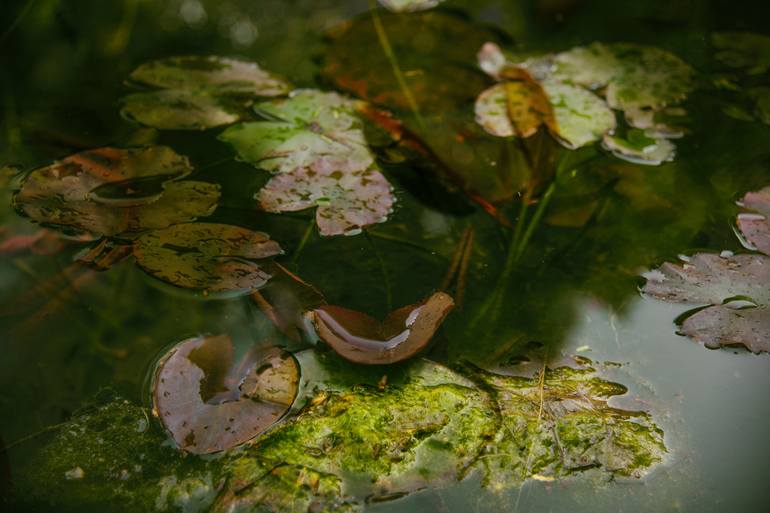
(68, 332)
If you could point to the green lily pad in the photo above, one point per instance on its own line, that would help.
(558, 424)
(111, 191)
(409, 5)
(198, 92)
(310, 128)
(581, 117)
(736, 290)
(640, 149)
(207, 257)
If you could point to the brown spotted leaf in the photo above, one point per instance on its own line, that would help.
(362, 339)
(208, 403)
(208, 257)
(755, 222)
(736, 290)
(111, 191)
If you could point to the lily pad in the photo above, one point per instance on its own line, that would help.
(362, 339)
(209, 257)
(517, 108)
(640, 149)
(112, 191)
(558, 423)
(198, 92)
(581, 117)
(755, 222)
(209, 404)
(347, 200)
(736, 288)
(409, 5)
(310, 128)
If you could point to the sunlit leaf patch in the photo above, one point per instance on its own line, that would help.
(198, 92)
(735, 289)
(638, 148)
(209, 403)
(111, 191)
(409, 5)
(362, 339)
(308, 129)
(207, 257)
(559, 423)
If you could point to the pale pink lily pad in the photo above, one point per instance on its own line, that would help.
(347, 200)
(735, 290)
(208, 403)
(755, 222)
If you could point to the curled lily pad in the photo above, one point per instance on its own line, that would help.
(736, 289)
(309, 128)
(640, 149)
(558, 423)
(209, 403)
(517, 108)
(755, 222)
(198, 92)
(362, 339)
(111, 191)
(409, 5)
(209, 257)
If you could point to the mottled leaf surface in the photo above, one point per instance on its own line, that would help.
(111, 191)
(737, 288)
(209, 403)
(558, 423)
(637, 148)
(755, 221)
(208, 257)
(198, 92)
(311, 128)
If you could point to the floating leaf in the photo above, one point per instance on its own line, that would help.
(514, 108)
(209, 403)
(311, 128)
(581, 117)
(347, 201)
(558, 423)
(198, 92)
(743, 50)
(410, 5)
(755, 223)
(111, 191)
(209, 257)
(736, 286)
(640, 149)
(361, 339)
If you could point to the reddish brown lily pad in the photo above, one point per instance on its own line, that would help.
(755, 222)
(209, 257)
(362, 339)
(208, 403)
(111, 191)
(736, 290)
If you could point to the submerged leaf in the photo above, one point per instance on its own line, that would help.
(362, 339)
(716, 280)
(311, 128)
(410, 5)
(559, 424)
(743, 50)
(209, 257)
(755, 223)
(111, 191)
(209, 403)
(198, 92)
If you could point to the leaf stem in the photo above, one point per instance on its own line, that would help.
(303, 241)
(384, 270)
(387, 48)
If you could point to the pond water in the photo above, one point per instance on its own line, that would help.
(542, 246)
